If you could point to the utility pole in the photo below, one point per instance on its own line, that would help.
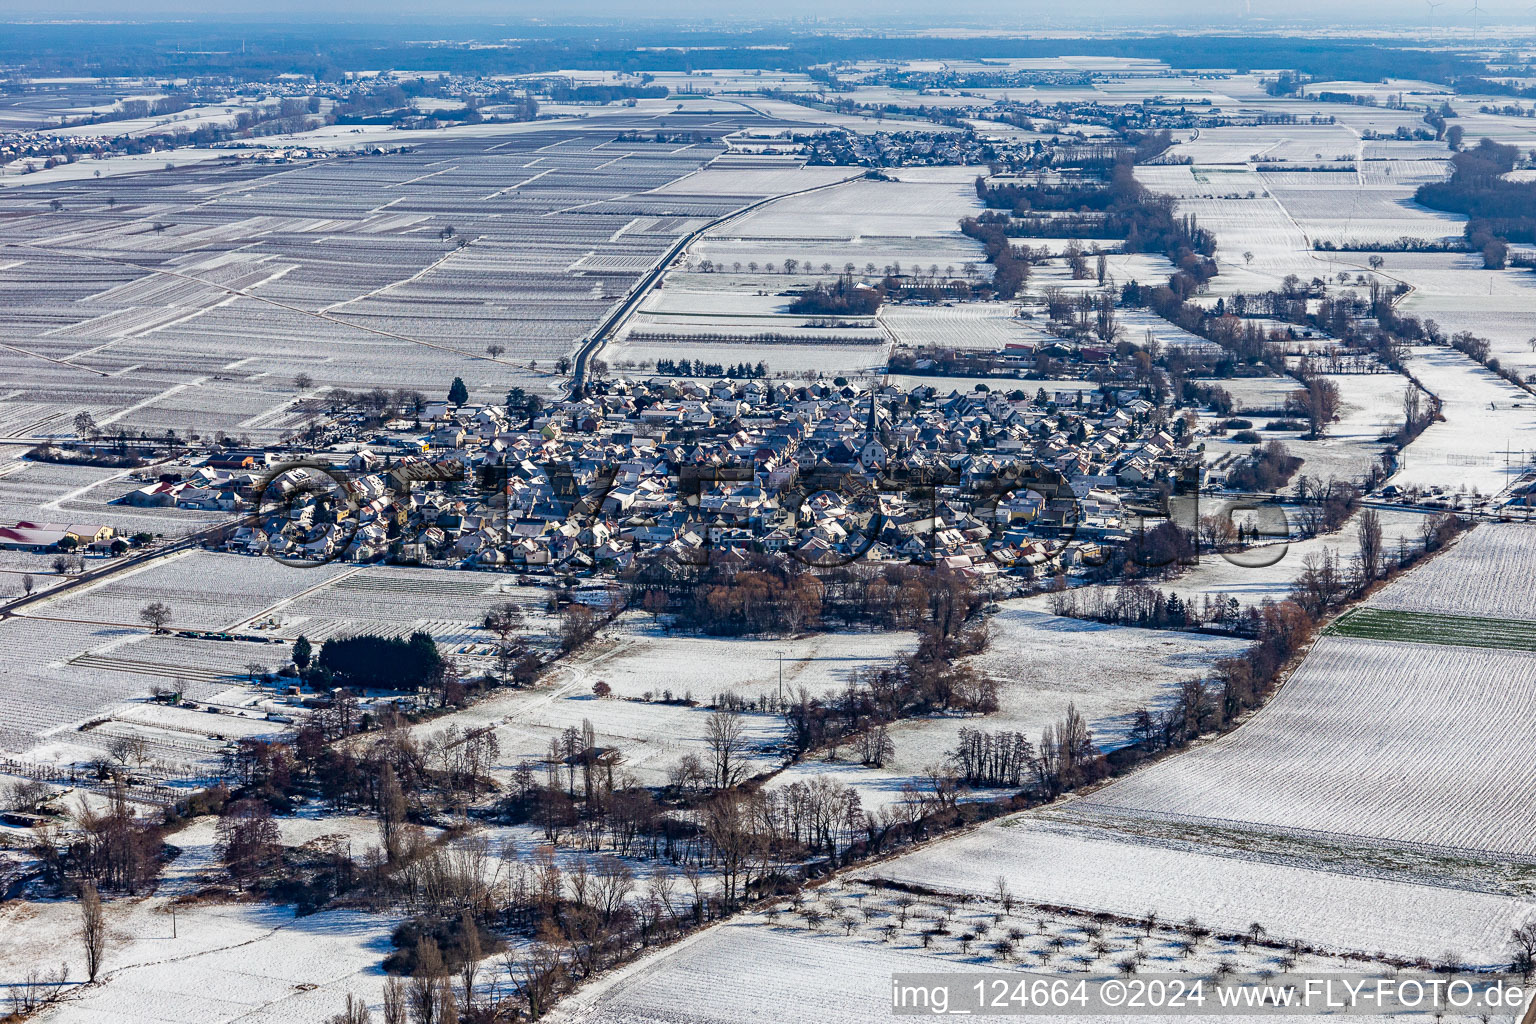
(781, 678)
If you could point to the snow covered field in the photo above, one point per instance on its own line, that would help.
(227, 961)
(1244, 578)
(1370, 409)
(1048, 862)
(913, 223)
(650, 660)
(1485, 417)
(773, 967)
(1490, 572)
(985, 326)
(205, 589)
(1044, 663)
(1453, 290)
(1380, 740)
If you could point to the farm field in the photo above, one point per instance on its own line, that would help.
(254, 275)
(649, 824)
(1370, 409)
(1491, 572)
(653, 674)
(649, 659)
(1485, 418)
(1376, 740)
(1436, 628)
(652, 737)
(989, 326)
(879, 223)
(206, 590)
(1076, 865)
(1453, 290)
(1347, 212)
(836, 973)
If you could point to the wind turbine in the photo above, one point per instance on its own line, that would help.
(1433, 7)
(1477, 20)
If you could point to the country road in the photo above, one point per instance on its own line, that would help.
(642, 288)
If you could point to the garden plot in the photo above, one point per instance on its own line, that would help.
(1491, 572)
(1045, 662)
(1376, 740)
(1485, 419)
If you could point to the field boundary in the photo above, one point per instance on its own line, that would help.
(1323, 835)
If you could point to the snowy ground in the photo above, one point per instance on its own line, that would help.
(1376, 740)
(226, 962)
(1064, 863)
(1489, 431)
(775, 967)
(1491, 572)
(1044, 663)
(1267, 572)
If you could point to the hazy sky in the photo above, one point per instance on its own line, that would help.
(1017, 13)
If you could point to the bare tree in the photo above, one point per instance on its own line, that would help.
(27, 583)
(1522, 941)
(1412, 410)
(470, 953)
(356, 1012)
(504, 620)
(247, 838)
(93, 929)
(726, 736)
(422, 992)
(1318, 402)
(1368, 530)
(124, 749)
(394, 1002)
(156, 614)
